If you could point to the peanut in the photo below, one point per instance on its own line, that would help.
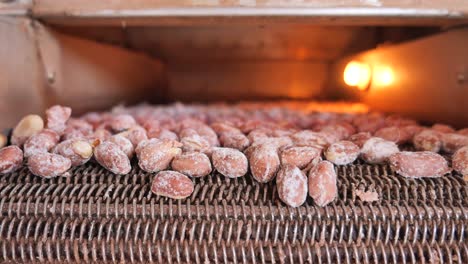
(360, 138)
(463, 132)
(451, 142)
(3, 140)
(121, 122)
(28, 126)
(48, 165)
(135, 134)
(193, 164)
(291, 184)
(11, 159)
(230, 162)
(443, 128)
(428, 140)
(306, 138)
(163, 134)
(342, 152)
(57, 116)
(101, 134)
(77, 128)
(124, 144)
(155, 155)
(369, 122)
(172, 184)
(322, 183)
(111, 157)
(203, 131)
(78, 151)
(299, 156)
(42, 141)
(419, 164)
(264, 162)
(377, 150)
(235, 140)
(460, 161)
(195, 143)
(391, 133)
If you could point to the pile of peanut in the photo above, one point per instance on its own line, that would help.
(178, 142)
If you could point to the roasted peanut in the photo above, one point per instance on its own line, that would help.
(291, 184)
(78, 151)
(121, 122)
(195, 143)
(77, 128)
(408, 132)
(460, 161)
(163, 134)
(391, 133)
(155, 155)
(235, 140)
(428, 140)
(312, 164)
(418, 164)
(342, 152)
(369, 122)
(11, 159)
(463, 132)
(230, 162)
(135, 134)
(43, 141)
(151, 125)
(443, 128)
(94, 118)
(395, 120)
(360, 138)
(257, 135)
(451, 142)
(193, 164)
(299, 156)
(57, 117)
(48, 165)
(398, 134)
(222, 127)
(203, 131)
(306, 138)
(28, 126)
(264, 162)
(172, 184)
(124, 144)
(377, 150)
(3, 140)
(100, 134)
(322, 183)
(111, 157)
(337, 132)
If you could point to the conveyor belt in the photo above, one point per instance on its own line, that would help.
(94, 215)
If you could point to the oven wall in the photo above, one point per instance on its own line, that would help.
(40, 67)
(21, 82)
(430, 78)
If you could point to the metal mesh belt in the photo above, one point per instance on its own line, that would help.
(97, 216)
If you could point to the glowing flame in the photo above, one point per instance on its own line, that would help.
(357, 74)
(383, 76)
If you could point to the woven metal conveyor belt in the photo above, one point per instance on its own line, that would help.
(94, 215)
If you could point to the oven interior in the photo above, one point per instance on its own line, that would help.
(406, 61)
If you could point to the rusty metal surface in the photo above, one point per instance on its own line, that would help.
(94, 215)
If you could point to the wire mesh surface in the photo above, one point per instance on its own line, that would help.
(94, 215)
